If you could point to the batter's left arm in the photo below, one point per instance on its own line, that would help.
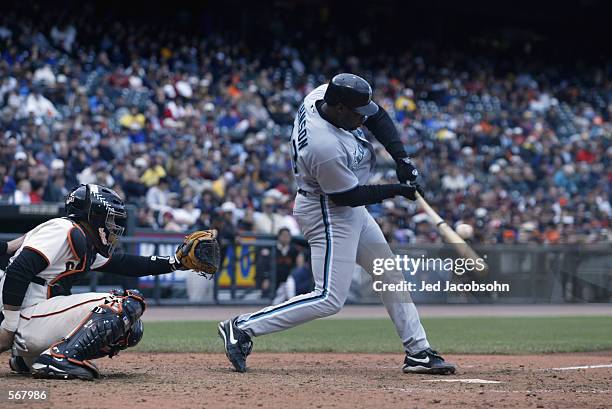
(382, 127)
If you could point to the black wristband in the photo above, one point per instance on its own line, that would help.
(3, 248)
(369, 194)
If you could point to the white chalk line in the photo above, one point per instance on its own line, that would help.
(503, 391)
(462, 380)
(565, 368)
(573, 368)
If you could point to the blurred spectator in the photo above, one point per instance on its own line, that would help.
(44, 76)
(134, 189)
(268, 221)
(226, 228)
(300, 280)
(247, 223)
(38, 189)
(159, 196)
(286, 260)
(39, 106)
(187, 215)
(565, 178)
(133, 119)
(169, 223)
(7, 183)
(154, 171)
(146, 218)
(56, 190)
(456, 180)
(527, 233)
(508, 237)
(64, 36)
(22, 193)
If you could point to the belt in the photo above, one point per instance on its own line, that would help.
(303, 192)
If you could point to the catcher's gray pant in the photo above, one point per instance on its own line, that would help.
(338, 236)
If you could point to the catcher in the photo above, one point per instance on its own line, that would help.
(54, 334)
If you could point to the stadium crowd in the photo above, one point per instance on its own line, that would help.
(193, 131)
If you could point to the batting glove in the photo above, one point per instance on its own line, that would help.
(409, 191)
(406, 171)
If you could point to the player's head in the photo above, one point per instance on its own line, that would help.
(284, 236)
(350, 100)
(101, 212)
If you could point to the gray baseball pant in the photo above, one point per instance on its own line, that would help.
(338, 236)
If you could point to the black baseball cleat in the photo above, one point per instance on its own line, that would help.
(19, 366)
(48, 366)
(427, 361)
(237, 343)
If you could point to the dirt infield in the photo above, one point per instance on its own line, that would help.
(326, 380)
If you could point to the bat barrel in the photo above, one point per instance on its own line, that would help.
(450, 236)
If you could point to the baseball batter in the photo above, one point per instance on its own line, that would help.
(52, 333)
(332, 162)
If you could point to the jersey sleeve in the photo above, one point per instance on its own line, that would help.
(334, 175)
(50, 242)
(99, 262)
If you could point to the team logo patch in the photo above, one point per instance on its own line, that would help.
(358, 156)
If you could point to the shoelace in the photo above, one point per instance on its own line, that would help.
(245, 341)
(434, 353)
(246, 347)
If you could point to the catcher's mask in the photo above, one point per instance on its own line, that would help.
(102, 212)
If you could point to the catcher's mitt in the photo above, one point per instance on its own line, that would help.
(200, 252)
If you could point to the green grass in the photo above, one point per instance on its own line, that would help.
(520, 335)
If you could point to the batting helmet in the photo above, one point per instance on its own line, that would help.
(351, 91)
(102, 211)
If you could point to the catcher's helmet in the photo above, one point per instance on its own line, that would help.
(102, 211)
(352, 91)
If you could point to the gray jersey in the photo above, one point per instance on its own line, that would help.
(327, 159)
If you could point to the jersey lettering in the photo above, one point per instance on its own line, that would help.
(302, 137)
(295, 157)
(302, 131)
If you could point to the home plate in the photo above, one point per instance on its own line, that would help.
(475, 380)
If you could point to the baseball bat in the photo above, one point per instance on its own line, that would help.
(450, 236)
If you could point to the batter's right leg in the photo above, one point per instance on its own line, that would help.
(332, 234)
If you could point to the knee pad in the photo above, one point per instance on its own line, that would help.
(109, 328)
(131, 302)
(133, 337)
(135, 334)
